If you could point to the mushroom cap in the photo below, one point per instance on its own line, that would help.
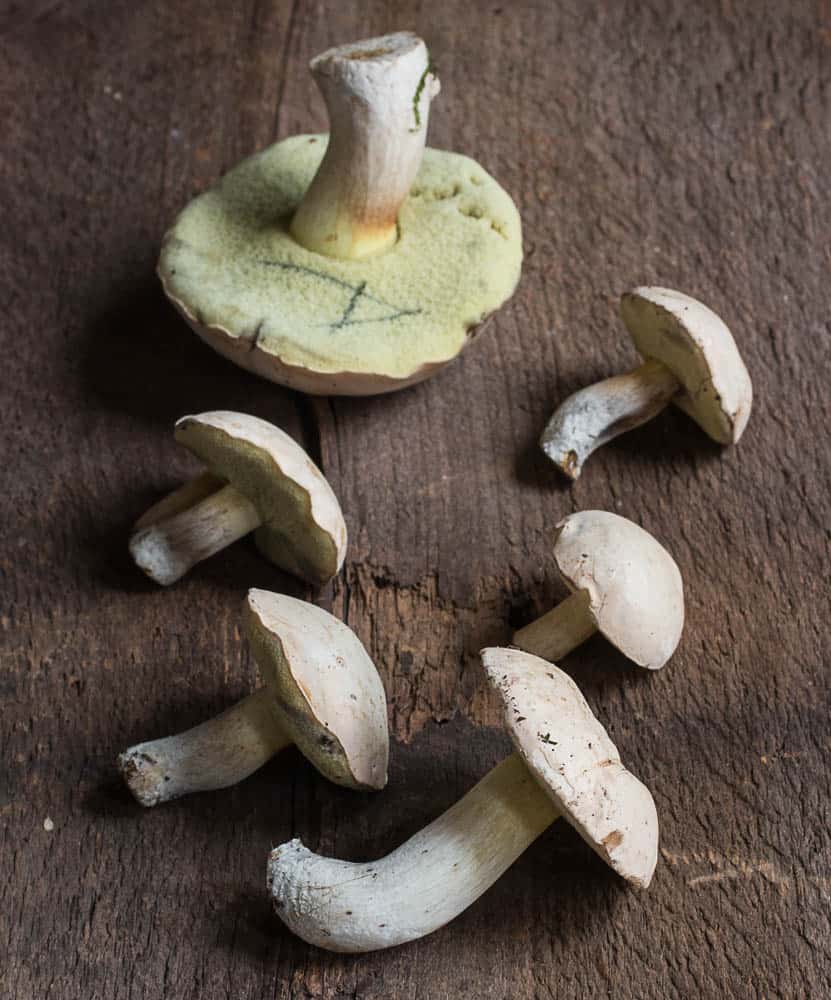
(303, 530)
(570, 754)
(328, 692)
(695, 344)
(345, 327)
(636, 595)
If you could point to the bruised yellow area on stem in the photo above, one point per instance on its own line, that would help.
(352, 233)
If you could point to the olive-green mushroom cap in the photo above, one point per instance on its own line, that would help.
(328, 692)
(348, 327)
(303, 529)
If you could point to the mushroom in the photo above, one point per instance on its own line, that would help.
(691, 360)
(354, 263)
(623, 584)
(565, 765)
(259, 480)
(321, 691)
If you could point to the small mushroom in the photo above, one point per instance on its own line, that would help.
(259, 480)
(565, 765)
(624, 585)
(354, 263)
(691, 360)
(321, 691)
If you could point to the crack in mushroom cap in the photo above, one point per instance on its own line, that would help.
(570, 754)
(636, 595)
(303, 529)
(329, 694)
(325, 325)
(698, 348)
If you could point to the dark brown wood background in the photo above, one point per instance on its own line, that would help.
(686, 144)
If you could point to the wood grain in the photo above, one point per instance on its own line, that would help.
(645, 142)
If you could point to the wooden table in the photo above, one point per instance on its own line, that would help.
(645, 142)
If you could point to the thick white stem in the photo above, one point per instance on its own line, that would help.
(597, 414)
(166, 549)
(215, 754)
(560, 630)
(378, 95)
(421, 885)
(187, 495)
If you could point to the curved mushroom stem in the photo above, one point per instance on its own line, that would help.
(590, 417)
(378, 95)
(560, 630)
(189, 526)
(425, 882)
(215, 754)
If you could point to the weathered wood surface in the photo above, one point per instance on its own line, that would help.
(668, 142)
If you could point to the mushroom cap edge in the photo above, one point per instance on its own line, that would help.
(327, 690)
(697, 346)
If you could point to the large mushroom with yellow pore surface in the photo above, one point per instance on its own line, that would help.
(354, 263)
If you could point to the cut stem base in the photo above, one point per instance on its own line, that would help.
(377, 93)
(215, 754)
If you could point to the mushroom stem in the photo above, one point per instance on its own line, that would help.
(215, 754)
(425, 882)
(592, 416)
(166, 549)
(560, 630)
(378, 94)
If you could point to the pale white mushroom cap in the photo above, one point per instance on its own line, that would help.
(570, 754)
(636, 595)
(303, 529)
(698, 348)
(328, 691)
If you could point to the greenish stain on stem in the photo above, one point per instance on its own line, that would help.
(431, 68)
